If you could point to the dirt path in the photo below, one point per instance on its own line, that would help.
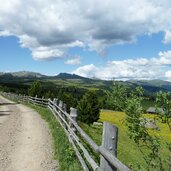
(25, 142)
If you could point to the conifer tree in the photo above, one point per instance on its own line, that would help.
(88, 108)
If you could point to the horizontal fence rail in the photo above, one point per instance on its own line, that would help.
(75, 134)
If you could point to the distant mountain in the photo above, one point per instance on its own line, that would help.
(152, 86)
(6, 75)
(22, 77)
(69, 76)
(65, 79)
(27, 74)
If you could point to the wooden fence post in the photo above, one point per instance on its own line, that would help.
(61, 107)
(54, 102)
(73, 115)
(60, 104)
(35, 99)
(63, 115)
(109, 141)
(42, 100)
(65, 107)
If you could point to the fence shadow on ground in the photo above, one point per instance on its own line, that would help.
(3, 104)
(5, 113)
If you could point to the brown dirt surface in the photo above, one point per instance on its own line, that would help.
(25, 140)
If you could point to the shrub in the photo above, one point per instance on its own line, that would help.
(88, 108)
(35, 89)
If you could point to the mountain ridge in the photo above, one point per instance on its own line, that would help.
(22, 74)
(26, 77)
(64, 75)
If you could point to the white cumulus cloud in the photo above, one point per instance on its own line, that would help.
(74, 61)
(86, 71)
(44, 54)
(5, 33)
(92, 24)
(167, 37)
(168, 75)
(140, 68)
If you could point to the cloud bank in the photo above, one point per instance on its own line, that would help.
(141, 68)
(50, 28)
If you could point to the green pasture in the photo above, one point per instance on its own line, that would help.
(128, 151)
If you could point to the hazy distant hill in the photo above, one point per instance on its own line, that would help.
(22, 74)
(67, 80)
(68, 76)
(27, 74)
(152, 85)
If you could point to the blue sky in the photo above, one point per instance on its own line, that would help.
(14, 58)
(111, 40)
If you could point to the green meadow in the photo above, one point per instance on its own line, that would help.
(128, 151)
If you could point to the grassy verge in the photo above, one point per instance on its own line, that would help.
(63, 151)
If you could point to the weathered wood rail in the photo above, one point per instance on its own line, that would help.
(75, 134)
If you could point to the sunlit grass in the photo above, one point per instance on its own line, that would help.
(128, 151)
(163, 129)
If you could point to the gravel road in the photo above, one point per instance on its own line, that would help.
(25, 141)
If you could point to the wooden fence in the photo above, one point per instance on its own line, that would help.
(107, 151)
